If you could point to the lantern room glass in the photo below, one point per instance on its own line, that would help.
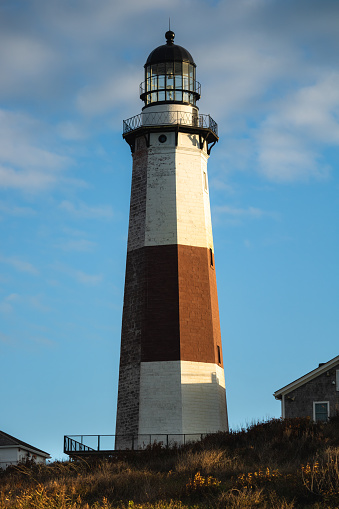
(171, 81)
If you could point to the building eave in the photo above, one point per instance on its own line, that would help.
(23, 445)
(306, 378)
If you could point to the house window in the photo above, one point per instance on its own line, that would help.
(321, 411)
(337, 379)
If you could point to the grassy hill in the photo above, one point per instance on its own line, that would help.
(274, 464)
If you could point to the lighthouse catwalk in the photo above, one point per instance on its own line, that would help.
(171, 379)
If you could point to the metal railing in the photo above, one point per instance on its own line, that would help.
(169, 117)
(91, 444)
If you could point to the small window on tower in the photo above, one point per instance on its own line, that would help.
(205, 182)
(211, 258)
(219, 354)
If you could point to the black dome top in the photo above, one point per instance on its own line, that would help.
(169, 52)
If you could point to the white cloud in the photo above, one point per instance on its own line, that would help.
(20, 265)
(24, 59)
(34, 301)
(76, 245)
(4, 338)
(88, 279)
(24, 165)
(82, 210)
(72, 131)
(235, 216)
(313, 111)
(12, 297)
(27, 181)
(238, 212)
(110, 94)
(78, 275)
(14, 210)
(90, 55)
(5, 307)
(291, 138)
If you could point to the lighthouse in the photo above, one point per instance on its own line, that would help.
(171, 375)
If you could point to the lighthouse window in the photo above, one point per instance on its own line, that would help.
(178, 81)
(175, 79)
(211, 258)
(162, 138)
(169, 68)
(219, 354)
(170, 81)
(205, 181)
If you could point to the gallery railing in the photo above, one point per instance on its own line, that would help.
(91, 444)
(169, 117)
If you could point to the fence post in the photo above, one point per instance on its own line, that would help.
(98, 442)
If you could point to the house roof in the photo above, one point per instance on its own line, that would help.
(9, 441)
(306, 378)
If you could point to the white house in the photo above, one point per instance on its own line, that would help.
(14, 451)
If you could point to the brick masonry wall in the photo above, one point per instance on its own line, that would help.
(137, 213)
(127, 420)
(299, 402)
(170, 312)
(131, 335)
(198, 306)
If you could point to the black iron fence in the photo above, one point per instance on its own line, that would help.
(169, 117)
(82, 444)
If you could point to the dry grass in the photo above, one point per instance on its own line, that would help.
(207, 461)
(274, 465)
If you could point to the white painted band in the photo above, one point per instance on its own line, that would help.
(182, 397)
(177, 197)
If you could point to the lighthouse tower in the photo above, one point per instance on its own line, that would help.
(171, 379)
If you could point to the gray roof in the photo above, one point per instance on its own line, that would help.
(324, 366)
(8, 440)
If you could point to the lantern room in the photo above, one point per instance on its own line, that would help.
(170, 76)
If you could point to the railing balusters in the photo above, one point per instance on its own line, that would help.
(169, 118)
(77, 443)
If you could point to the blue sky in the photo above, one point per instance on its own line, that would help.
(70, 72)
